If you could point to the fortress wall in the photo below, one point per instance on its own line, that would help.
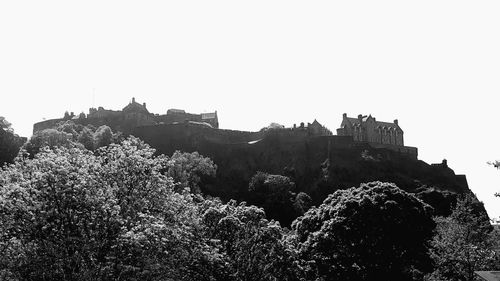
(339, 141)
(172, 117)
(169, 137)
(288, 133)
(411, 151)
(47, 124)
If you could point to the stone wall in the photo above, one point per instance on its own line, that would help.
(404, 150)
(47, 124)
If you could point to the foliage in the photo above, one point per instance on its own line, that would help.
(464, 242)
(275, 194)
(48, 137)
(103, 136)
(256, 249)
(86, 138)
(68, 134)
(273, 126)
(5, 125)
(374, 232)
(10, 144)
(190, 170)
(495, 164)
(442, 201)
(69, 214)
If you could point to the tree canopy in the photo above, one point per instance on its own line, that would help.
(464, 242)
(374, 232)
(70, 214)
(275, 194)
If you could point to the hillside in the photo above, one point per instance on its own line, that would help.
(317, 165)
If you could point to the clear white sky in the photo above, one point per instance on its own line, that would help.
(434, 65)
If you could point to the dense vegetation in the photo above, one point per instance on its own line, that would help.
(83, 203)
(10, 143)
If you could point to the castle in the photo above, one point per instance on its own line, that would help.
(362, 132)
(131, 116)
(368, 129)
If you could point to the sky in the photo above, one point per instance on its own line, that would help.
(433, 65)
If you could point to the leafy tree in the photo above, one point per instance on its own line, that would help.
(302, 203)
(69, 127)
(5, 125)
(464, 242)
(374, 232)
(273, 126)
(10, 143)
(70, 214)
(86, 138)
(442, 201)
(275, 194)
(191, 170)
(255, 248)
(103, 136)
(48, 137)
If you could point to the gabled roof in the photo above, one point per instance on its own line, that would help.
(356, 122)
(315, 123)
(136, 107)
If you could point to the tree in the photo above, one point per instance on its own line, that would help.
(103, 136)
(69, 127)
(275, 194)
(48, 137)
(5, 125)
(254, 248)
(71, 214)
(273, 126)
(191, 170)
(374, 232)
(10, 143)
(464, 242)
(86, 138)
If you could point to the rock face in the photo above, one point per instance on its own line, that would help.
(9, 146)
(318, 165)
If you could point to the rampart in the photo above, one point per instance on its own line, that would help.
(405, 150)
(47, 124)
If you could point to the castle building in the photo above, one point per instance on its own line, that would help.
(368, 129)
(133, 115)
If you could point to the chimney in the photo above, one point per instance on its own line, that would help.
(133, 100)
(144, 104)
(396, 121)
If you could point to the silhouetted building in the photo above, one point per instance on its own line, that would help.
(368, 129)
(131, 116)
